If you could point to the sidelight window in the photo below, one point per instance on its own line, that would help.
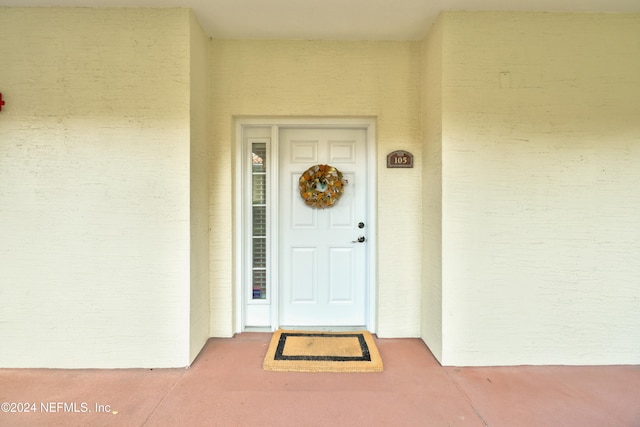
(259, 220)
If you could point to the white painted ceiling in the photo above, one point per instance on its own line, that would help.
(335, 19)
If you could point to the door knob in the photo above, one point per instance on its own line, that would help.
(360, 240)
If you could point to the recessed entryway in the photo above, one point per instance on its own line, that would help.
(301, 265)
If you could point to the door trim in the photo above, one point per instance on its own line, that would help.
(275, 123)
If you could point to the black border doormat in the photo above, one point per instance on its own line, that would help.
(310, 351)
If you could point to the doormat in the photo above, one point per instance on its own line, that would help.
(306, 351)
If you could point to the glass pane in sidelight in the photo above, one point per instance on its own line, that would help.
(259, 289)
(259, 189)
(259, 252)
(259, 221)
(259, 157)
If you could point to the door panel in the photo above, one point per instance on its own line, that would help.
(344, 217)
(341, 261)
(323, 269)
(303, 273)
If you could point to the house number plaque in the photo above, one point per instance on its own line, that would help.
(400, 159)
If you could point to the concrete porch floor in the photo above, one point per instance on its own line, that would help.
(226, 386)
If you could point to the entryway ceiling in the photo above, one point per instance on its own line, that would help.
(334, 19)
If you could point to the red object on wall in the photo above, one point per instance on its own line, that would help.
(1, 102)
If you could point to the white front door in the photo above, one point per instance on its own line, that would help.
(323, 267)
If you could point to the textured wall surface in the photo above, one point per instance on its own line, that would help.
(315, 78)
(514, 240)
(199, 55)
(431, 314)
(94, 188)
(541, 206)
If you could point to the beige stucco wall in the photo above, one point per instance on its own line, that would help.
(322, 78)
(95, 188)
(540, 199)
(199, 69)
(431, 313)
(514, 240)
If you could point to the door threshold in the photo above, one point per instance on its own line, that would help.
(257, 329)
(325, 328)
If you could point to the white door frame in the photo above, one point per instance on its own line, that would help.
(275, 123)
